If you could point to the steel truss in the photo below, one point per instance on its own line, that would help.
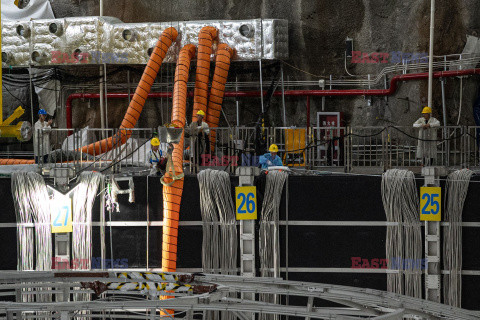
(208, 292)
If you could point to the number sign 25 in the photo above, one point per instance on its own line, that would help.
(246, 203)
(430, 204)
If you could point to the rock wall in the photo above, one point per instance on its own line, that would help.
(317, 32)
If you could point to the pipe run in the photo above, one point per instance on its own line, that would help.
(289, 93)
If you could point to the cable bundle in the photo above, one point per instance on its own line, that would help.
(32, 205)
(455, 193)
(412, 233)
(404, 240)
(83, 198)
(219, 249)
(269, 241)
(40, 204)
(25, 248)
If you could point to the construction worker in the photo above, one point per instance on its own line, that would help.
(200, 131)
(271, 159)
(155, 160)
(427, 150)
(41, 140)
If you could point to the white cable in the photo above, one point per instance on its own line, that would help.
(456, 190)
(83, 197)
(219, 246)
(268, 235)
(32, 205)
(403, 241)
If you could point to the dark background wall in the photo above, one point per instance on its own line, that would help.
(319, 198)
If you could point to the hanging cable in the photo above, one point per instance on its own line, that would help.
(403, 240)
(219, 246)
(32, 205)
(456, 190)
(268, 238)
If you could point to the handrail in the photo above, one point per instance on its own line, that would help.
(348, 147)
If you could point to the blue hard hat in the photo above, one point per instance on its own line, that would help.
(42, 111)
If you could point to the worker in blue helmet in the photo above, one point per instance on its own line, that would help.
(41, 137)
(271, 159)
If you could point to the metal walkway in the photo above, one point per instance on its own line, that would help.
(201, 293)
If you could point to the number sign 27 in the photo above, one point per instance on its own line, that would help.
(430, 204)
(246, 203)
(61, 214)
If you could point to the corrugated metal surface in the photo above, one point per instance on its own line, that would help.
(109, 40)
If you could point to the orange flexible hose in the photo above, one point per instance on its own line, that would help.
(206, 36)
(222, 66)
(168, 36)
(172, 195)
(6, 162)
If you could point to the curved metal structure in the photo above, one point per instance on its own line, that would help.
(197, 293)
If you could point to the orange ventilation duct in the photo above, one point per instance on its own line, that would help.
(173, 186)
(5, 162)
(168, 36)
(206, 37)
(222, 65)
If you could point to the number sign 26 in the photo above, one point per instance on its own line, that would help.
(246, 203)
(430, 204)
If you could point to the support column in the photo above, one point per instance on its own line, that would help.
(246, 177)
(432, 241)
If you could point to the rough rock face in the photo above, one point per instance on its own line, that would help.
(318, 29)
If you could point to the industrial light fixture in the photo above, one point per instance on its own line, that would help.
(62, 178)
(66, 191)
(348, 47)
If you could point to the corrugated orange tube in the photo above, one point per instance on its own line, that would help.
(168, 36)
(172, 195)
(206, 36)
(222, 66)
(5, 162)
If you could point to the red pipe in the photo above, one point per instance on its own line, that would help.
(290, 93)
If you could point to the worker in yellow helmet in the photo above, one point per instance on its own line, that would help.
(427, 150)
(200, 132)
(156, 160)
(271, 158)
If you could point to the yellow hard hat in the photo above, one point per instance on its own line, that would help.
(273, 148)
(155, 142)
(427, 110)
(200, 113)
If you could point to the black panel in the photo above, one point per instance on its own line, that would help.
(471, 248)
(471, 212)
(335, 197)
(8, 248)
(190, 205)
(470, 296)
(130, 243)
(329, 197)
(333, 247)
(7, 213)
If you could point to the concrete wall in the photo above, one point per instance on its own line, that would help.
(318, 29)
